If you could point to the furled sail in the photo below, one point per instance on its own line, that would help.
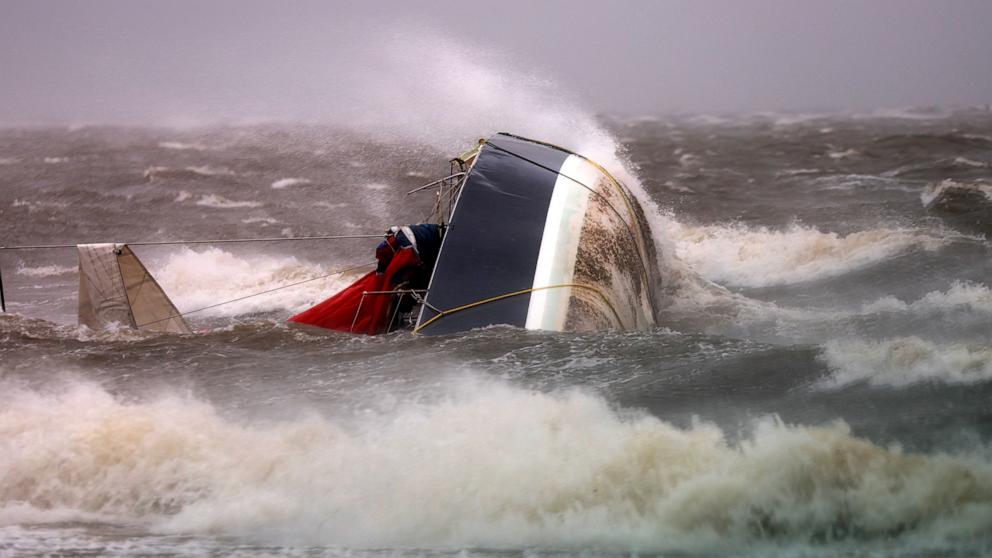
(115, 287)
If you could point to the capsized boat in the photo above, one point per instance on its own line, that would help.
(534, 236)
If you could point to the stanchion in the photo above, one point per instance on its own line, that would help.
(3, 303)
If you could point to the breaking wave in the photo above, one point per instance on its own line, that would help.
(953, 166)
(961, 295)
(460, 471)
(196, 279)
(974, 191)
(906, 360)
(743, 256)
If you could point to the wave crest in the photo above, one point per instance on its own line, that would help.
(460, 471)
(743, 256)
(904, 361)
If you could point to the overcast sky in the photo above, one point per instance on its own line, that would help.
(166, 61)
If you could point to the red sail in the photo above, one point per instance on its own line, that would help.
(354, 311)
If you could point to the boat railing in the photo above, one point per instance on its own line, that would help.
(417, 295)
(447, 189)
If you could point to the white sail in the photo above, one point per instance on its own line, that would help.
(115, 287)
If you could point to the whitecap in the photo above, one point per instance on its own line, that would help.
(46, 271)
(966, 162)
(287, 182)
(181, 146)
(846, 154)
(903, 361)
(204, 171)
(935, 192)
(38, 205)
(582, 474)
(799, 172)
(207, 170)
(744, 256)
(220, 202)
(264, 221)
(961, 295)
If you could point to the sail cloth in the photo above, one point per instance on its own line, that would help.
(116, 288)
(363, 306)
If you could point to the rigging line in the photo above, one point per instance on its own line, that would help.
(621, 189)
(215, 241)
(180, 314)
(3, 303)
(579, 182)
(443, 313)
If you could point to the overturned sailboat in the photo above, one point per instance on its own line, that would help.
(524, 233)
(535, 236)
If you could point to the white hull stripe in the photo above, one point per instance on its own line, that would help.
(560, 244)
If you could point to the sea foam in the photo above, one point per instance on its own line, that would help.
(961, 295)
(461, 471)
(198, 278)
(182, 146)
(742, 256)
(287, 182)
(46, 270)
(903, 361)
(220, 202)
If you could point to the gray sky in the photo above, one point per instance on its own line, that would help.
(180, 62)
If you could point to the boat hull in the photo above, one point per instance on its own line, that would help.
(541, 238)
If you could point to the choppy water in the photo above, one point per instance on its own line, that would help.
(820, 384)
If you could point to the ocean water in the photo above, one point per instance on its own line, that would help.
(820, 382)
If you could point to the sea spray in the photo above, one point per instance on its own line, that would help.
(203, 277)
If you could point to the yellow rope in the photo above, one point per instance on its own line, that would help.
(518, 293)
